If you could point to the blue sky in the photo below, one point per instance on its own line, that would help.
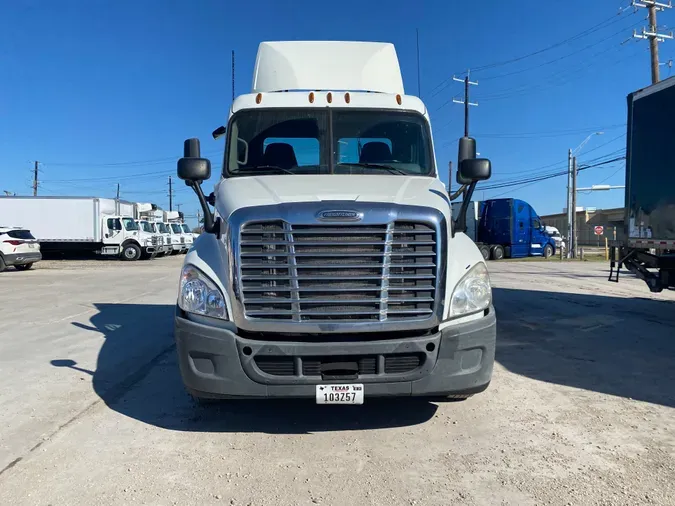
(106, 92)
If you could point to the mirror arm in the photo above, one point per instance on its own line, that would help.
(210, 226)
(458, 192)
(460, 222)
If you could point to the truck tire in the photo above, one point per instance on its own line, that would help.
(23, 267)
(497, 252)
(485, 251)
(548, 251)
(131, 252)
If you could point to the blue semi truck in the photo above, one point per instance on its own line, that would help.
(507, 228)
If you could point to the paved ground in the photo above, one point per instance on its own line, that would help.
(92, 410)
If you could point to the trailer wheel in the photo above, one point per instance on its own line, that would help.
(548, 251)
(131, 252)
(497, 252)
(485, 251)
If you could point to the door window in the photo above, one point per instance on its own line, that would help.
(114, 224)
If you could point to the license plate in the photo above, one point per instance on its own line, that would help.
(32, 246)
(339, 394)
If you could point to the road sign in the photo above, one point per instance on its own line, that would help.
(599, 230)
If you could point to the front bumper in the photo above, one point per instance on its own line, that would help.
(22, 258)
(217, 363)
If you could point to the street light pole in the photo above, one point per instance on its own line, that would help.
(572, 195)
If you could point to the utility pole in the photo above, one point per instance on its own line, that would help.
(233, 75)
(118, 192)
(570, 213)
(652, 34)
(35, 179)
(466, 102)
(178, 207)
(419, 86)
(170, 195)
(573, 244)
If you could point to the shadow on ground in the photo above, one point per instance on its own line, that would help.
(617, 346)
(137, 375)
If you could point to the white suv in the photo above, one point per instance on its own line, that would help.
(19, 248)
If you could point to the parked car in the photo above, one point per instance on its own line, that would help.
(18, 248)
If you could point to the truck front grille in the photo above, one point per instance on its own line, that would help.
(329, 273)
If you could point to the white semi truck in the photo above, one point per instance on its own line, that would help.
(82, 224)
(331, 267)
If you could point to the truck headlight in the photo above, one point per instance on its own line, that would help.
(473, 293)
(199, 295)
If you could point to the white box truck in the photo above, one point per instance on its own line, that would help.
(331, 267)
(82, 224)
(180, 243)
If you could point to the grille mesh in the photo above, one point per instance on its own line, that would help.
(311, 366)
(338, 272)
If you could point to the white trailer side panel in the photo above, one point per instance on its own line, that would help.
(53, 219)
(126, 209)
(108, 206)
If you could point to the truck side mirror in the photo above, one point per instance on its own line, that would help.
(465, 151)
(475, 169)
(194, 169)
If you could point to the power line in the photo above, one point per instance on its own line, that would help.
(552, 133)
(607, 22)
(544, 177)
(563, 57)
(155, 161)
(562, 77)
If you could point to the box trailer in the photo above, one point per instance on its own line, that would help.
(81, 224)
(649, 248)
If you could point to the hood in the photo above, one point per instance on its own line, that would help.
(236, 193)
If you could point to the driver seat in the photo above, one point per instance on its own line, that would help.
(281, 155)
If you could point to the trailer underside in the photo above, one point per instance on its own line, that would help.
(655, 269)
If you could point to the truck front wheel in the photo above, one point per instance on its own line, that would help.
(497, 252)
(131, 252)
(548, 251)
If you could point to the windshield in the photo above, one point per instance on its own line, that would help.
(163, 228)
(129, 224)
(186, 229)
(176, 228)
(319, 141)
(146, 227)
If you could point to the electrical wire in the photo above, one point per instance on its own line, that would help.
(607, 22)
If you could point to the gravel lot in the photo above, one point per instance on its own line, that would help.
(92, 410)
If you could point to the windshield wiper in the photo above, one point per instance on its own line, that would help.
(378, 166)
(262, 168)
